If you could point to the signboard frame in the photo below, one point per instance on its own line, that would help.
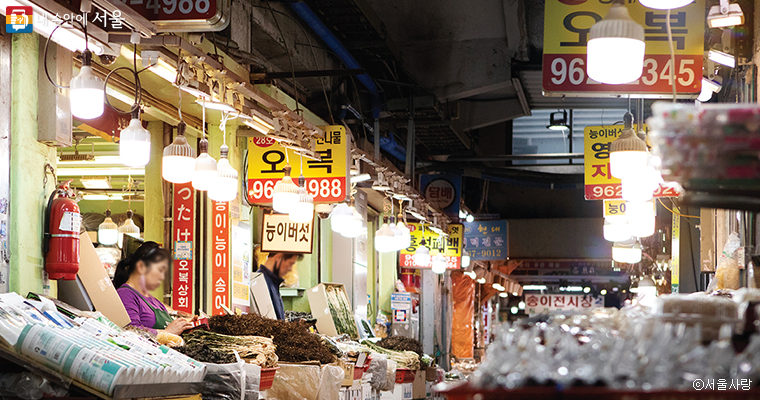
(267, 246)
(183, 245)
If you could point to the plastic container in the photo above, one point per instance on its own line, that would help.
(404, 375)
(267, 378)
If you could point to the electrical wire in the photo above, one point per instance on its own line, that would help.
(672, 57)
(290, 58)
(47, 45)
(676, 212)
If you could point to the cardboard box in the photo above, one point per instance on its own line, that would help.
(320, 309)
(418, 386)
(94, 278)
(348, 371)
(261, 301)
(407, 391)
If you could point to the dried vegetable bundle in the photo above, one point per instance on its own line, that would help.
(253, 349)
(341, 311)
(401, 343)
(404, 359)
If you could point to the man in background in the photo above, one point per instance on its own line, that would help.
(274, 270)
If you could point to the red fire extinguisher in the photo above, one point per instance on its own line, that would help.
(61, 243)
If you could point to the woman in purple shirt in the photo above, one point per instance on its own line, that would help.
(134, 278)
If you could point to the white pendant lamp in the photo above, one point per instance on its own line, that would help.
(355, 227)
(628, 153)
(226, 185)
(128, 228)
(134, 143)
(205, 173)
(616, 231)
(439, 263)
(629, 253)
(422, 254)
(385, 239)
(665, 4)
(178, 162)
(340, 217)
(465, 258)
(87, 92)
(285, 193)
(615, 50)
(641, 218)
(405, 239)
(303, 209)
(108, 231)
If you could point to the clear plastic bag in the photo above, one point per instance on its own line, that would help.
(295, 382)
(329, 382)
(252, 381)
(727, 272)
(378, 368)
(224, 381)
(28, 386)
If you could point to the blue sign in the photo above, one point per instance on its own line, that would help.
(442, 191)
(486, 240)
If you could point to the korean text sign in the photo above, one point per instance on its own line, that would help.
(220, 255)
(540, 303)
(326, 180)
(452, 246)
(486, 240)
(182, 237)
(280, 234)
(566, 33)
(599, 182)
(163, 10)
(442, 191)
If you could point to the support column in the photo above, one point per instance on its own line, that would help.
(427, 310)
(153, 210)
(28, 193)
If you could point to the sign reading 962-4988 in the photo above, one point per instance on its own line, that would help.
(567, 24)
(326, 180)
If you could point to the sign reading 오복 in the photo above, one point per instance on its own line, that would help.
(220, 256)
(486, 240)
(283, 235)
(599, 182)
(183, 236)
(326, 180)
(452, 246)
(540, 303)
(566, 33)
(442, 191)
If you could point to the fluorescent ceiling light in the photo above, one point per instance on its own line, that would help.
(534, 287)
(705, 94)
(722, 58)
(100, 197)
(160, 68)
(725, 15)
(101, 172)
(96, 183)
(572, 289)
(215, 105)
(713, 86)
(360, 178)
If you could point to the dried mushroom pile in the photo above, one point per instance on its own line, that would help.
(293, 341)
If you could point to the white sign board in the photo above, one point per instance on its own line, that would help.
(541, 303)
(280, 234)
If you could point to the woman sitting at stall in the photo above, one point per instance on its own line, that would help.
(134, 278)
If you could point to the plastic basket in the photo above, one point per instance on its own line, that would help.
(404, 375)
(267, 378)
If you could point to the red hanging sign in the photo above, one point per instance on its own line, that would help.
(220, 254)
(182, 238)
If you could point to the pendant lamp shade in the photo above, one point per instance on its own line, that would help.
(128, 228)
(134, 144)
(422, 255)
(87, 92)
(178, 163)
(108, 231)
(205, 174)
(384, 239)
(439, 263)
(403, 240)
(665, 4)
(285, 194)
(226, 185)
(615, 50)
(628, 153)
(465, 259)
(303, 209)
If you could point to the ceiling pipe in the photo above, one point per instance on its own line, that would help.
(311, 19)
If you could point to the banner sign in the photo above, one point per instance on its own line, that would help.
(599, 182)
(220, 255)
(486, 240)
(567, 24)
(452, 246)
(326, 180)
(614, 208)
(541, 303)
(442, 191)
(241, 254)
(183, 236)
(283, 235)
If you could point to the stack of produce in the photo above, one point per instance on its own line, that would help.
(403, 359)
(253, 349)
(291, 316)
(293, 341)
(401, 343)
(341, 311)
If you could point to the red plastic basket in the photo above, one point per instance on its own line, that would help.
(404, 375)
(267, 378)
(358, 373)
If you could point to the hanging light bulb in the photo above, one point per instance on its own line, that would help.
(405, 238)
(616, 231)
(647, 292)
(422, 254)
(285, 193)
(439, 263)
(340, 217)
(628, 153)
(384, 239)
(303, 209)
(87, 92)
(127, 228)
(665, 4)
(641, 218)
(355, 227)
(108, 231)
(465, 258)
(205, 175)
(640, 186)
(615, 50)
(134, 143)
(226, 185)
(178, 162)
(626, 252)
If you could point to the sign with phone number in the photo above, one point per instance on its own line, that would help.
(326, 180)
(599, 182)
(174, 9)
(567, 24)
(486, 240)
(451, 244)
